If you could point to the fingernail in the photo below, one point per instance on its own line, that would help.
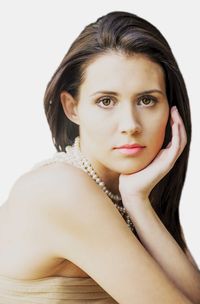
(174, 108)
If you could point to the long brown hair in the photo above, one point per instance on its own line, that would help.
(127, 33)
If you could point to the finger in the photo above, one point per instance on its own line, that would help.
(175, 142)
(182, 131)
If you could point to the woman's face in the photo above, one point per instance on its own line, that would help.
(122, 101)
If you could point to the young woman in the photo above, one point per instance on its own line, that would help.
(99, 221)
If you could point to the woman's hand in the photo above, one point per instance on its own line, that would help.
(141, 183)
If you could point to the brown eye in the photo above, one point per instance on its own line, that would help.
(105, 101)
(148, 100)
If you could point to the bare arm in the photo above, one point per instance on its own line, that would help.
(165, 250)
(88, 230)
(189, 255)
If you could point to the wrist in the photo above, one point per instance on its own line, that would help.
(136, 198)
(136, 203)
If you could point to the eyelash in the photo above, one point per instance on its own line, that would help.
(141, 98)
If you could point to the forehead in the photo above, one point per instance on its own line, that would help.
(116, 71)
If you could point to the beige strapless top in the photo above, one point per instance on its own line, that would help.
(53, 290)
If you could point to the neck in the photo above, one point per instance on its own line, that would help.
(111, 179)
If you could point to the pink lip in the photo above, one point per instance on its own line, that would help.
(130, 151)
(129, 146)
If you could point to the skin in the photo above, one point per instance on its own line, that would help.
(127, 115)
(129, 121)
(145, 180)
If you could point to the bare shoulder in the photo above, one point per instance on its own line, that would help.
(82, 225)
(44, 183)
(53, 192)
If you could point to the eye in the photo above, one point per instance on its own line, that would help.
(148, 100)
(105, 101)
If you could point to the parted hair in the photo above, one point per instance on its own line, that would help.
(126, 33)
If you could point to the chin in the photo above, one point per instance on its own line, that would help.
(133, 168)
(129, 170)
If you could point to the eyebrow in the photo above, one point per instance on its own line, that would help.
(138, 94)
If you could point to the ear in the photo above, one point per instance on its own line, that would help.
(69, 105)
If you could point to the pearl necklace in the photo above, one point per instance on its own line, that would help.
(74, 157)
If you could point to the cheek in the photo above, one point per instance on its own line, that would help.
(93, 126)
(87, 119)
(158, 132)
(161, 131)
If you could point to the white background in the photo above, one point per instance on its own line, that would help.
(35, 35)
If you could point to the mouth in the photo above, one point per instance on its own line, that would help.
(130, 151)
(129, 146)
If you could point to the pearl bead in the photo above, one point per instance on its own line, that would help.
(74, 156)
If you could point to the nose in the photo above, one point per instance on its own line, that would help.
(129, 121)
